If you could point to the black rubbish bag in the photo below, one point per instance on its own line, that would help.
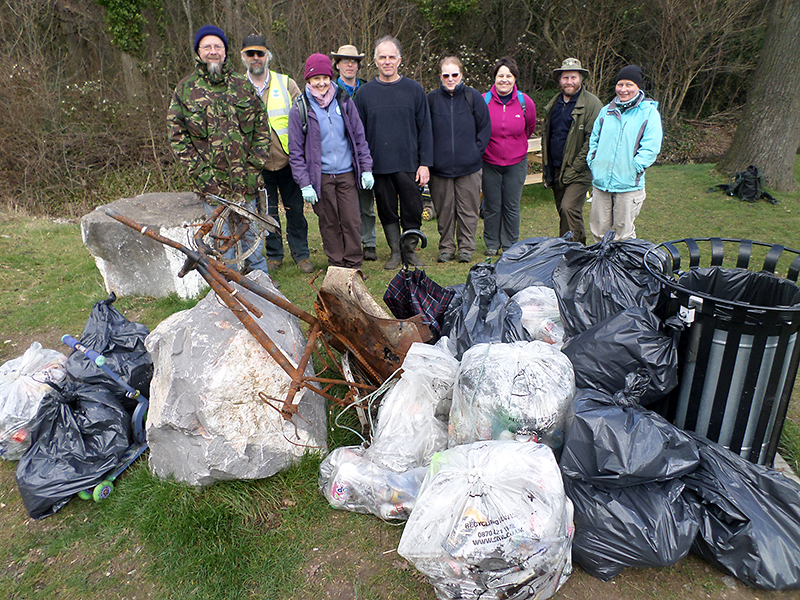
(79, 434)
(599, 281)
(412, 293)
(749, 518)
(617, 446)
(621, 467)
(121, 343)
(482, 313)
(531, 262)
(645, 525)
(627, 342)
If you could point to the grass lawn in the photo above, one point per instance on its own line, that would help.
(277, 538)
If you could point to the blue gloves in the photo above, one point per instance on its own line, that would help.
(309, 195)
(367, 180)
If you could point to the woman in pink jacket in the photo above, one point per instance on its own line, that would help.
(505, 161)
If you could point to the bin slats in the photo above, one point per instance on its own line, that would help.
(704, 346)
(764, 340)
(726, 372)
(794, 269)
(694, 253)
(783, 406)
(771, 260)
(745, 251)
(717, 251)
(771, 395)
(760, 335)
(676, 258)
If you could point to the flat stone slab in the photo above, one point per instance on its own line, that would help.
(135, 265)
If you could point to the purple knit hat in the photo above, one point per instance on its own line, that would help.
(318, 64)
(210, 30)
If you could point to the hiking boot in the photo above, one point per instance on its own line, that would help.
(464, 257)
(305, 266)
(370, 253)
(445, 257)
(273, 265)
(490, 252)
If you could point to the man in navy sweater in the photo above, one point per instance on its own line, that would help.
(397, 123)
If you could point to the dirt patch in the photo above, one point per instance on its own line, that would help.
(696, 142)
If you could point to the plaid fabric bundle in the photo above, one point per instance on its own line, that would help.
(413, 293)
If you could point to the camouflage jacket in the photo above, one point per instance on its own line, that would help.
(217, 129)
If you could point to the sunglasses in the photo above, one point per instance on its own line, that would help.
(252, 53)
(450, 75)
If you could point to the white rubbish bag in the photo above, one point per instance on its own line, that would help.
(522, 390)
(349, 480)
(412, 418)
(23, 384)
(492, 521)
(540, 316)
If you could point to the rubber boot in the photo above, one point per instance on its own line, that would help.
(392, 231)
(411, 256)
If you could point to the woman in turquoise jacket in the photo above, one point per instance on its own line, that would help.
(626, 139)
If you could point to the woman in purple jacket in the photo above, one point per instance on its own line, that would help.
(329, 157)
(505, 161)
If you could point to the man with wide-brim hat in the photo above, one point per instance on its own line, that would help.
(568, 121)
(347, 62)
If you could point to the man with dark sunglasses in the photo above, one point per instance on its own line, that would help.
(278, 92)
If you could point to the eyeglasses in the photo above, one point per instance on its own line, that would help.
(252, 53)
(210, 47)
(451, 75)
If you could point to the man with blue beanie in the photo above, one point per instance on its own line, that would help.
(216, 128)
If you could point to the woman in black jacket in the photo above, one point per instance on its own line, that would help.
(461, 131)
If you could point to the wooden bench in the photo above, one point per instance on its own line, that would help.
(534, 157)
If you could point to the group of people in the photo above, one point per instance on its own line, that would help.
(345, 146)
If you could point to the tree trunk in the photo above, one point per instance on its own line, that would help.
(769, 130)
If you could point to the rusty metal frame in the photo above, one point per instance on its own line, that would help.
(323, 334)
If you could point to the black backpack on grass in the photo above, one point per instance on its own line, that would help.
(747, 185)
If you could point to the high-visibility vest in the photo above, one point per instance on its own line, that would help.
(278, 104)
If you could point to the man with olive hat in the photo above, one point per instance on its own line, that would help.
(626, 139)
(278, 92)
(216, 129)
(347, 62)
(568, 121)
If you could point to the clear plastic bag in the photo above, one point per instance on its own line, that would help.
(540, 316)
(492, 521)
(412, 419)
(23, 384)
(521, 390)
(349, 480)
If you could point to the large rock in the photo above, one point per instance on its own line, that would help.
(206, 421)
(135, 265)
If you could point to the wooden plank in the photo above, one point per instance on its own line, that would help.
(534, 157)
(533, 178)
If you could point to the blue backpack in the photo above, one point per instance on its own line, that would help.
(488, 96)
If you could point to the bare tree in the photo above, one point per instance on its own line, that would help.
(686, 38)
(769, 129)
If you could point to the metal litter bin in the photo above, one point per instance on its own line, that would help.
(738, 356)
